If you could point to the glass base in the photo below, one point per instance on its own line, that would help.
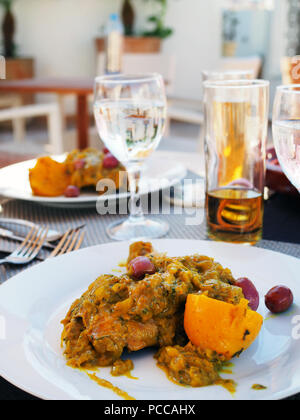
(188, 195)
(251, 238)
(145, 229)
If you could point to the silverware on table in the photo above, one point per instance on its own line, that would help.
(29, 249)
(5, 252)
(52, 235)
(71, 241)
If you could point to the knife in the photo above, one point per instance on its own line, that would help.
(4, 233)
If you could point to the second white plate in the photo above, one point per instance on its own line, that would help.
(160, 173)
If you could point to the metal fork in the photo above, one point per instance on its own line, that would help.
(71, 241)
(29, 248)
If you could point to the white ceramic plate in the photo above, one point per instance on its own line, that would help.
(33, 303)
(160, 173)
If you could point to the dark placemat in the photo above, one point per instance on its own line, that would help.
(282, 219)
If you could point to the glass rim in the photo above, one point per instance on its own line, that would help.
(220, 72)
(236, 84)
(128, 78)
(289, 88)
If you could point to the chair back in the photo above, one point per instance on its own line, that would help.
(146, 63)
(245, 63)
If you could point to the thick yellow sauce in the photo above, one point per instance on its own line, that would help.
(228, 384)
(122, 264)
(129, 376)
(226, 371)
(228, 365)
(109, 385)
(257, 387)
(171, 379)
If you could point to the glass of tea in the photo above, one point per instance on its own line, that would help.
(192, 195)
(236, 117)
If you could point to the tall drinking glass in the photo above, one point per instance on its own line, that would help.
(193, 195)
(286, 131)
(130, 112)
(236, 115)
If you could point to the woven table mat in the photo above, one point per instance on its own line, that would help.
(63, 219)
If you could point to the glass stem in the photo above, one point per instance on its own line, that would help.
(136, 210)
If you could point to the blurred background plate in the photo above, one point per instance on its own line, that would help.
(276, 179)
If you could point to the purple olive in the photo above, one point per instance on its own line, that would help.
(279, 299)
(72, 191)
(79, 164)
(250, 292)
(110, 162)
(141, 266)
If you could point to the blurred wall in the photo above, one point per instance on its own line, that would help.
(60, 35)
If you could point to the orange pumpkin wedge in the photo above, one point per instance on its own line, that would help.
(49, 178)
(219, 326)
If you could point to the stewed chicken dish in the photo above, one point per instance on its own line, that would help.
(79, 170)
(152, 305)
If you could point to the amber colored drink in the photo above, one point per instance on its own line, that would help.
(231, 132)
(235, 215)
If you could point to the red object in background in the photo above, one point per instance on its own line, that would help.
(79, 164)
(110, 162)
(276, 180)
(72, 192)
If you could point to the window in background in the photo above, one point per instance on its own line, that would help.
(293, 46)
(247, 27)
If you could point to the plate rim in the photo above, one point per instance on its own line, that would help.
(83, 200)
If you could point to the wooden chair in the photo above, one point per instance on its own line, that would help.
(242, 63)
(146, 63)
(10, 101)
(51, 111)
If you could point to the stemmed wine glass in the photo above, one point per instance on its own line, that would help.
(286, 131)
(130, 112)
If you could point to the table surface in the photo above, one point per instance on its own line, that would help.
(67, 85)
(281, 233)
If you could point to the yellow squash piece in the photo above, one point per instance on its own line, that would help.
(219, 326)
(49, 178)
